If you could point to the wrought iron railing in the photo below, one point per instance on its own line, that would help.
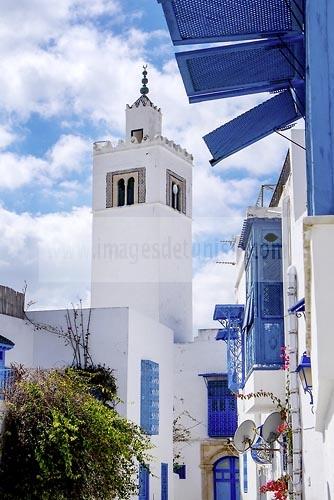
(6, 379)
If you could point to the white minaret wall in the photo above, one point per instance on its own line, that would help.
(142, 254)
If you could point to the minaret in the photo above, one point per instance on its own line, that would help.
(142, 242)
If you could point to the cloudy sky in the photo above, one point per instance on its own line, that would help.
(67, 69)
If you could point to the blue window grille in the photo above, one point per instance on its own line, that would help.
(144, 483)
(222, 409)
(199, 21)
(164, 481)
(149, 404)
(275, 113)
(263, 334)
(240, 69)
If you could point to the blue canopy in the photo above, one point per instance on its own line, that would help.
(278, 112)
(203, 21)
(231, 312)
(243, 68)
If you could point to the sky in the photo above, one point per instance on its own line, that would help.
(67, 70)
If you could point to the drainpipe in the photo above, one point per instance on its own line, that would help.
(292, 339)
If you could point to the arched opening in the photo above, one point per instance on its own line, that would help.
(130, 191)
(121, 193)
(226, 479)
(176, 197)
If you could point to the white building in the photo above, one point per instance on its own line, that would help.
(302, 296)
(141, 315)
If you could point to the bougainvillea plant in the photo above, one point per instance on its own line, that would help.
(279, 487)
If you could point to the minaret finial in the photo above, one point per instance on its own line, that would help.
(144, 90)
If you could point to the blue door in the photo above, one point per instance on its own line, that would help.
(226, 479)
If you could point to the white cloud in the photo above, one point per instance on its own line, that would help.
(69, 154)
(213, 284)
(7, 136)
(50, 252)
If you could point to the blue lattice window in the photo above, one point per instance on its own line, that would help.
(263, 330)
(144, 483)
(149, 404)
(164, 481)
(222, 409)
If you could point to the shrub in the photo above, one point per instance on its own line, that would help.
(59, 442)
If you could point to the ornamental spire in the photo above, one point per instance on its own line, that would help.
(144, 90)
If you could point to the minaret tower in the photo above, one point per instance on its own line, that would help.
(142, 242)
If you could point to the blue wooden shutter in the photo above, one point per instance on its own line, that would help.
(222, 409)
(144, 483)
(164, 481)
(149, 404)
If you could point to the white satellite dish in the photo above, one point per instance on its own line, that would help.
(244, 436)
(269, 429)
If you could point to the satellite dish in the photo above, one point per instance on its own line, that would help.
(261, 452)
(269, 429)
(244, 436)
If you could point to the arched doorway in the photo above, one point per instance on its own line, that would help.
(226, 479)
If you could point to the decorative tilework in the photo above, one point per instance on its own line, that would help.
(141, 184)
(181, 182)
(149, 397)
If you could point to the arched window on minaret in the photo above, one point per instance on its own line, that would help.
(176, 197)
(130, 191)
(121, 193)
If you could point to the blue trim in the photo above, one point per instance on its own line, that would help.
(164, 481)
(213, 374)
(245, 472)
(320, 106)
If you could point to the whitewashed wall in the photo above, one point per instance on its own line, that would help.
(204, 355)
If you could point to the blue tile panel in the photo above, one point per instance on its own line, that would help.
(241, 69)
(144, 483)
(222, 409)
(198, 21)
(149, 404)
(277, 112)
(263, 331)
(164, 481)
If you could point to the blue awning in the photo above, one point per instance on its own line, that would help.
(278, 112)
(298, 307)
(244, 68)
(203, 21)
(213, 374)
(230, 312)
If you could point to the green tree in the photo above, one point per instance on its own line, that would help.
(59, 442)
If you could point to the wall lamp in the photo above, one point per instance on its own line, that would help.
(305, 374)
